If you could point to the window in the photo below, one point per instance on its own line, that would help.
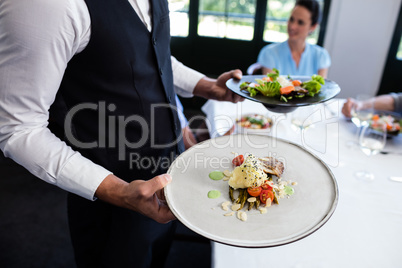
(235, 19)
(227, 19)
(399, 52)
(179, 17)
(277, 15)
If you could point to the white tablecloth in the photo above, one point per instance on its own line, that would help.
(366, 228)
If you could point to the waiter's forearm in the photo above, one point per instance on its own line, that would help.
(112, 190)
(203, 88)
(216, 89)
(141, 196)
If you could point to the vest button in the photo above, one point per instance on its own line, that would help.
(170, 99)
(160, 71)
(154, 41)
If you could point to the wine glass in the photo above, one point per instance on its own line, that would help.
(305, 117)
(362, 111)
(371, 142)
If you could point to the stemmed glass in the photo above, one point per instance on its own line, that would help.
(362, 111)
(305, 117)
(371, 142)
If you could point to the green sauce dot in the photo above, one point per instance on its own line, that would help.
(289, 190)
(216, 175)
(214, 194)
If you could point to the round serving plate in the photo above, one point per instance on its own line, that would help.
(309, 208)
(328, 91)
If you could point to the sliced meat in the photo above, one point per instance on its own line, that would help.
(273, 166)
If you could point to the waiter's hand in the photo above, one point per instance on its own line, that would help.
(145, 197)
(216, 88)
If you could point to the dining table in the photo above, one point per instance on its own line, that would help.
(365, 229)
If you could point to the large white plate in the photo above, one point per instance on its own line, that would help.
(313, 203)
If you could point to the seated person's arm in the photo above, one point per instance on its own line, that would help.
(384, 102)
(266, 70)
(323, 72)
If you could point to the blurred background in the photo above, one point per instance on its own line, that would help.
(363, 38)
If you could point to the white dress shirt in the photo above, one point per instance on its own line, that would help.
(37, 39)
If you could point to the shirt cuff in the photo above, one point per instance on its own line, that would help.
(184, 78)
(397, 101)
(81, 176)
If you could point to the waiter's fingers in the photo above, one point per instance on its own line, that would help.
(237, 74)
(157, 183)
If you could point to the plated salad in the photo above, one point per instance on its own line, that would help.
(392, 123)
(255, 121)
(284, 88)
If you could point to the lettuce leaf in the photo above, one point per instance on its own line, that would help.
(318, 78)
(250, 89)
(314, 85)
(273, 75)
(253, 91)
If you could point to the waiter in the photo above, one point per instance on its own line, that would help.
(101, 71)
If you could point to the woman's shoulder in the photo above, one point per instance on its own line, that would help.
(275, 47)
(317, 49)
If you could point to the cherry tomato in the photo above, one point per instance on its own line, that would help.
(254, 191)
(267, 125)
(267, 185)
(265, 194)
(238, 160)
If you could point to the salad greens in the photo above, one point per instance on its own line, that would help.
(314, 85)
(274, 85)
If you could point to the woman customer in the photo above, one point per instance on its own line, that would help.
(296, 56)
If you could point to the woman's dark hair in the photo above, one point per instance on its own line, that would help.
(314, 8)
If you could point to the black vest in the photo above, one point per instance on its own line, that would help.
(118, 90)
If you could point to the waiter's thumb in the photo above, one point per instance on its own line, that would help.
(159, 182)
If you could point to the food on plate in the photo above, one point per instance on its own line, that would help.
(272, 166)
(276, 86)
(216, 175)
(214, 194)
(391, 123)
(253, 181)
(255, 121)
(248, 174)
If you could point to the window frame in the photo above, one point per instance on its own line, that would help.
(259, 22)
(390, 81)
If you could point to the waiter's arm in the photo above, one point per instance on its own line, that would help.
(189, 82)
(35, 46)
(216, 88)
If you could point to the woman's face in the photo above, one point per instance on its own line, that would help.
(299, 24)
